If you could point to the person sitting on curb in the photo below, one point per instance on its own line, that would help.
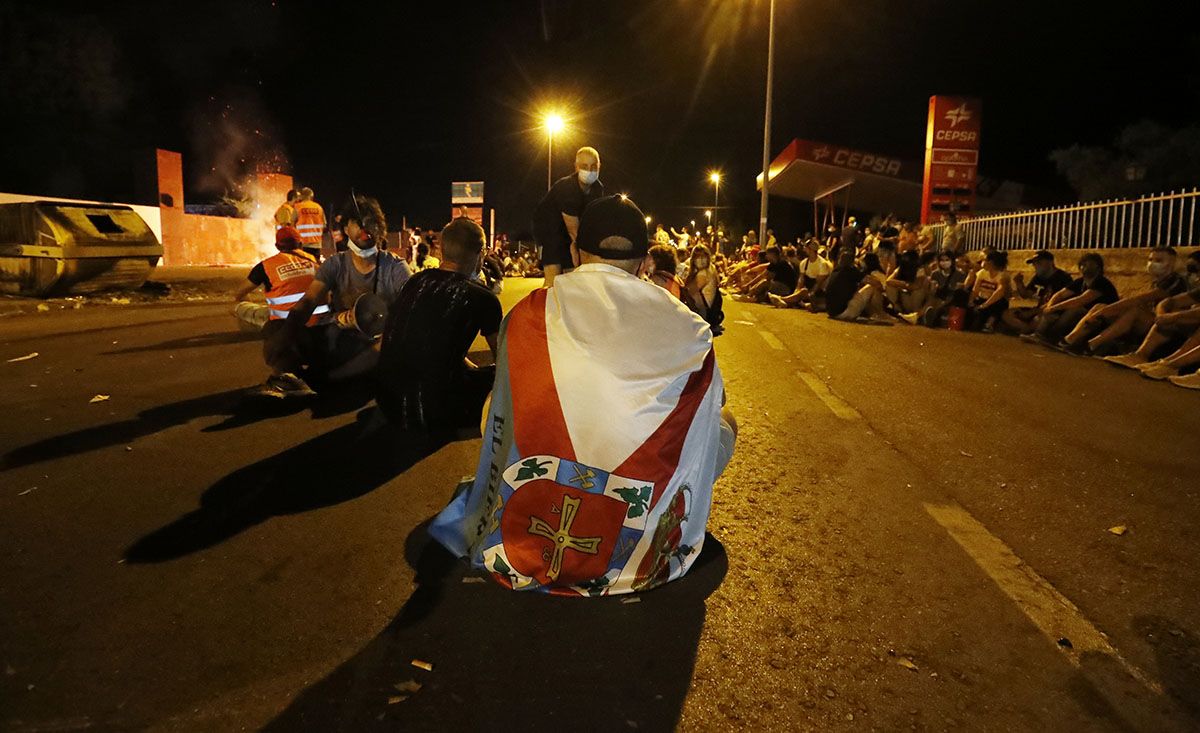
(285, 277)
(946, 289)
(1047, 280)
(1133, 315)
(989, 294)
(1177, 321)
(345, 343)
(1068, 306)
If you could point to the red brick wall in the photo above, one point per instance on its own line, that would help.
(192, 239)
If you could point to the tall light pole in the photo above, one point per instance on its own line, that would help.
(766, 157)
(715, 178)
(554, 123)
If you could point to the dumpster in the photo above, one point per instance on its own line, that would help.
(58, 248)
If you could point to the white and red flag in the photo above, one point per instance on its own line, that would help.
(602, 441)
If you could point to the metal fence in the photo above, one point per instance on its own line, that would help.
(1167, 220)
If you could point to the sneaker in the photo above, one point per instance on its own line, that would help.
(910, 318)
(1159, 371)
(1187, 381)
(777, 301)
(290, 385)
(1129, 361)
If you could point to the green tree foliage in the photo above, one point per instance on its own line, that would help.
(1146, 157)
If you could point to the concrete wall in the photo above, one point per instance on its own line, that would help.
(1125, 267)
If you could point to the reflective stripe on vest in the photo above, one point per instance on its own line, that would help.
(290, 274)
(320, 310)
(310, 222)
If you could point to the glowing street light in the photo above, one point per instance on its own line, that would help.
(647, 219)
(714, 177)
(553, 123)
(708, 213)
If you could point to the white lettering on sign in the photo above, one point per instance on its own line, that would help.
(960, 135)
(866, 162)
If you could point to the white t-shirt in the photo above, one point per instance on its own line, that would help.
(819, 267)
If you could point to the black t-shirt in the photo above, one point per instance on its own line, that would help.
(840, 288)
(1172, 284)
(258, 276)
(783, 272)
(429, 330)
(564, 197)
(1108, 291)
(1044, 287)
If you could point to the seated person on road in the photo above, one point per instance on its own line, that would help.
(1176, 329)
(1065, 308)
(1132, 316)
(812, 271)
(777, 278)
(556, 219)
(1047, 280)
(345, 344)
(989, 295)
(907, 287)
(867, 302)
(663, 262)
(426, 385)
(604, 437)
(285, 277)
(700, 288)
(947, 288)
(844, 281)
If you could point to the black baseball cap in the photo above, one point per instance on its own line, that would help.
(1041, 254)
(614, 228)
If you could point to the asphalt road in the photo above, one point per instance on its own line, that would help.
(913, 534)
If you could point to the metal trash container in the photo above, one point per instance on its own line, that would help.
(56, 248)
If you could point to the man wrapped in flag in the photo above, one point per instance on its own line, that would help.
(606, 429)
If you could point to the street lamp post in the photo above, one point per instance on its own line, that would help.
(766, 156)
(715, 178)
(554, 123)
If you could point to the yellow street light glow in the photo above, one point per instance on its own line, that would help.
(715, 178)
(624, 197)
(708, 213)
(554, 123)
(647, 220)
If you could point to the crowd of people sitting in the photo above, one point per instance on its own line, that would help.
(896, 273)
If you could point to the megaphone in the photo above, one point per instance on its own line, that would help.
(367, 316)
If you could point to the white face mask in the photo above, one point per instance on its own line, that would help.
(587, 178)
(366, 254)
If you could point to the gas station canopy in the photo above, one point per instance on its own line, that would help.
(813, 171)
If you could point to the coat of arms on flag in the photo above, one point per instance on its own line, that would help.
(560, 522)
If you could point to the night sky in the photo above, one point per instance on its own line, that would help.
(400, 99)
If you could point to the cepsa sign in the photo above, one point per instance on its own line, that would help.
(849, 158)
(951, 156)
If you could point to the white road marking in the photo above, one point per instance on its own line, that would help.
(771, 339)
(836, 404)
(1048, 609)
